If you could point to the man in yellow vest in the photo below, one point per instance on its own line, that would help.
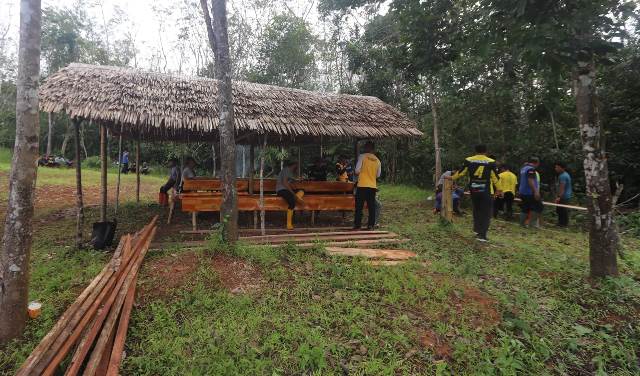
(368, 171)
(507, 185)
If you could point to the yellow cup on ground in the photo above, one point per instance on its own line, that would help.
(35, 309)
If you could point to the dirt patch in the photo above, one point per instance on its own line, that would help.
(432, 341)
(167, 273)
(486, 315)
(236, 275)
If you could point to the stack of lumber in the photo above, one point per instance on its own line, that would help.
(95, 325)
(343, 243)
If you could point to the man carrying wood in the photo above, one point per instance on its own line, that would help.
(284, 190)
(368, 170)
(482, 177)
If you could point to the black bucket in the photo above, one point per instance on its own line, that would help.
(102, 234)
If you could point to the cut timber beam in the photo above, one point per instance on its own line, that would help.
(307, 239)
(354, 243)
(311, 234)
(385, 254)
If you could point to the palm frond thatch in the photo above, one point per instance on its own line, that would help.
(169, 107)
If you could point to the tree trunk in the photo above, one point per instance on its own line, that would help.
(50, 134)
(138, 166)
(67, 136)
(219, 41)
(79, 200)
(103, 173)
(16, 242)
(436, 138)
(603, 237)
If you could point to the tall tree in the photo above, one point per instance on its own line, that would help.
(550, 34)
(219, 42)
(286, 55)
(16, 242)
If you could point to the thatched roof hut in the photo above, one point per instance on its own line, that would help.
(159, 106)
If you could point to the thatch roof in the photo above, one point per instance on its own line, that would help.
(170, 107)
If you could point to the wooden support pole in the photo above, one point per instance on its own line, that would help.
(138, 167)
(252, 168)
(356, 151)
(103, 173)
(119, 170)
(299, 163)
(447, 200)
(262, 212)
(79, 200)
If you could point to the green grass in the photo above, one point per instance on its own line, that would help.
(520, 305)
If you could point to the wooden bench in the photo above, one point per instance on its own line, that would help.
(204, 195)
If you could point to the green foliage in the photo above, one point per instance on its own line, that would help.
(286, 56)
(92, 162)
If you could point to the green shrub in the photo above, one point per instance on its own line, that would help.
(630, 223)
(92, 162)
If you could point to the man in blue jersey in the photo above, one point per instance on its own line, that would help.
(529, 191)
(564, 193)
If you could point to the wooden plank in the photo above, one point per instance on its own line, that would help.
(121, 333)
(447, 200)
(202, 203)
(355, 243)
(327, 239)
(212, 185)
(553, 204)
(100, 348)
(387, 254)
(54, 347)
(392, 262)
(252, 232)
(317, 234)
(37, 354)
(86, 341)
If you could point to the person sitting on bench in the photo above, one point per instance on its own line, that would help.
(172, 182)
(284, 190)
(189, 170)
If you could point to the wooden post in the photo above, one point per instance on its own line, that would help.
(79, 200)
(103, 172)
(356, 152)
(119, 169)
(138, 168)
(299, 163)
(447, 200)
(252, 168)
(262, 213)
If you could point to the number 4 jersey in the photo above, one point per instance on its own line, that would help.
(482, 173)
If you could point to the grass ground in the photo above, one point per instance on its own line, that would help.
(521, 305)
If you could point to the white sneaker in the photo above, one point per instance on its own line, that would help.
(482, 240)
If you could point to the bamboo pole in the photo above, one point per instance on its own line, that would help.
(79, 200)
(119, 170)
(103, 172)
(138, 168)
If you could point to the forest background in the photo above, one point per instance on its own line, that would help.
(460, 63)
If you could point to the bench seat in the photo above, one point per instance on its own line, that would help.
(197, 202)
